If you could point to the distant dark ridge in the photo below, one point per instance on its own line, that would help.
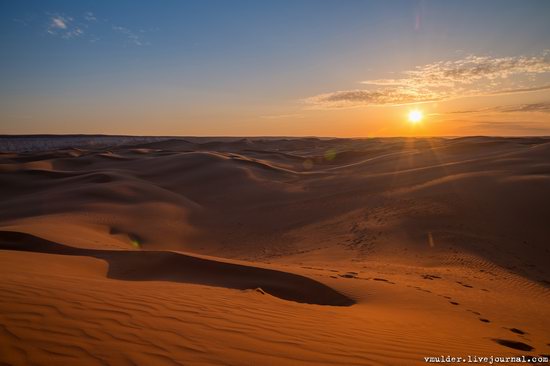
(34, 143)
(48, 142)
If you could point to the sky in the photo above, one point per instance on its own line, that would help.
(348, 68)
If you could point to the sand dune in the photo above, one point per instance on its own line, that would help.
(239, 251)
(177, 267)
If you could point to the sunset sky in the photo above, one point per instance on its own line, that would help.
(286, 68)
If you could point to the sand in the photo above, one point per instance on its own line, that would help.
(275, 252)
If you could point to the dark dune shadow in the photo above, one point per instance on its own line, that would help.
(177, 267)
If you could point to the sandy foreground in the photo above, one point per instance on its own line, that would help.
(275, 252)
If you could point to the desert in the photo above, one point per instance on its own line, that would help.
(274, 183)
(275, 251)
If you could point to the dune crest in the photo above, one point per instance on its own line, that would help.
(177, 267)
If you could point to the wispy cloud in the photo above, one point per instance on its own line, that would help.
(89, 16)
(64, 26)
(283, 116)
(363, 98)
(543, 107)
(131, 36)
(533, 107)
(88, 26)
(468, 71)
(442, 80)
(521, 90)
(524, 127)
(25, 20)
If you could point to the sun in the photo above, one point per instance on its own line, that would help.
(415, 116)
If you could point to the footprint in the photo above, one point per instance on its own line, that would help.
(454, 303)
(383, 280)
(517, 331)
(430, 277)
(484, 320)
(514, 344)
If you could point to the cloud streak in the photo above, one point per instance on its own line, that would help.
(525, 128)
(131, 36)
(89, 16)
(443, 80)
(543, 107)
(362, 98)
(283, 116)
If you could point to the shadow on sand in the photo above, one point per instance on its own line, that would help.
(177, 267)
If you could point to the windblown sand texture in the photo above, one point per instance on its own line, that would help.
(275, 252)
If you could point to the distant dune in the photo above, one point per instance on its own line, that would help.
(289, 251)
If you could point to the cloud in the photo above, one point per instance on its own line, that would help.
(283, 116)
(543, 107)
(521, 90)
(525, 128)
(59, 23)
(442, 80)
(88, 26)
(468, 71)
(361, 98)
(64, 27)
(131, 36)
(89, 16)
(26, 20)
(533, 107)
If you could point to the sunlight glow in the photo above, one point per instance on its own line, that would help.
(415, 116)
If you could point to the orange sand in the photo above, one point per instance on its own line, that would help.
(275, 252)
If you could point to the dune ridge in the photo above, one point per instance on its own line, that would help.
(171, 266)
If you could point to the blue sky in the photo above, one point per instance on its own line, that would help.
(270, 67)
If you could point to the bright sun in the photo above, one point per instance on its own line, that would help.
(415, 116)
